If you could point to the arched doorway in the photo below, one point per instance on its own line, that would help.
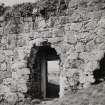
(38, 63)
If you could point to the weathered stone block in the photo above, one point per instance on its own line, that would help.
(25, 76)
(70, 37)
(24, 71)
(70, 72)
(91, 25)
(64, 20)
(21, 54)
(32, 35)
(102, 46)
(21, 96)
(4, 89)
(98, 53)
(64, 48)
(41, 23)
(21, 81)
(73, 3)
(59, 33)
(22, 87)
(19, 65)
(82, 36)
(56, 40)
(5, 74)
(3, 67)
(2, 57)
(84, 56)
(75, 17)
(1, 81)
(67, 27)
(66, 65)
(73, 55)
(8, 52)
(102, 22)
(100, 39)
(90, 46)
(73, 64)
(100, 31)
(96, 15)
(7, 81)
(62, 86)
(21, 42)
(86, 79)
(15, 76)
(91, 66)
(11, 98)
(27, 27)
(4, 40)
(12, 41)
(71, 49)
(76, 26)
(79, 47)
(45, 34)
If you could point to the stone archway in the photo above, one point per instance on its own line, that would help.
(37, 62)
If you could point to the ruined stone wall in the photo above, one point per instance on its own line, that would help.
(79, 40)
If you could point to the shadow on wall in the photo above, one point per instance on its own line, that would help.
(52, 90)
(99, 74)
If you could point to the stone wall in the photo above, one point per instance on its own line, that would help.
(79, 40)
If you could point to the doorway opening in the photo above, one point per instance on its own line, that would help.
(49, 59)
(44, 67)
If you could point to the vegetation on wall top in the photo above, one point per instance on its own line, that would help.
(46, 9)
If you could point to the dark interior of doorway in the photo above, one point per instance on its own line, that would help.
(50, 54)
